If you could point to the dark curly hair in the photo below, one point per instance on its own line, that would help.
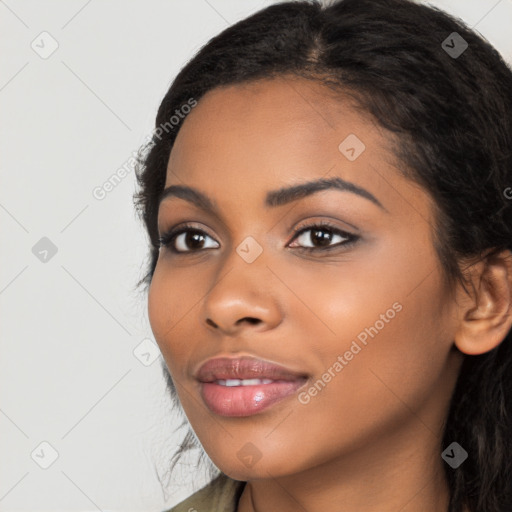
(449, 118)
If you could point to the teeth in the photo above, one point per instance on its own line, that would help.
(243, 382)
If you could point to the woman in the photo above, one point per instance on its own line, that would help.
(330, 271)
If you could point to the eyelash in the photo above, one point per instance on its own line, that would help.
(168, 238)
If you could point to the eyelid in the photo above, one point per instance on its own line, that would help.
(327, 225)
(182, 226)
(168, 238)
(169, 235)
(328, 221)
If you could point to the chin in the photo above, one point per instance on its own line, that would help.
(257, 469)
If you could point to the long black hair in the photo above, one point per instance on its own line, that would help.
(444, 95)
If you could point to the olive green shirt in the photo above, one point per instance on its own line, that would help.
(220, 495)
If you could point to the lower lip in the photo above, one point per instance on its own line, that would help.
(246, 400)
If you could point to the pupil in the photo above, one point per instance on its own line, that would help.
(192, 239)
(322, 240)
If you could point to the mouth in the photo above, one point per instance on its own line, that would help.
(244, 398)
(246, 386)
(242, 382)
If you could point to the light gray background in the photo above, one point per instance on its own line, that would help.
(72, 325)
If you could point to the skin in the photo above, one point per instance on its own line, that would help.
(370, 439)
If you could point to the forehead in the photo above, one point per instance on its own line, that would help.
(281, 122)
(246, 139)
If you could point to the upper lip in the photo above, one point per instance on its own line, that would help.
(246, 367)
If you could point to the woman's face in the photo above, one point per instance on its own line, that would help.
(358, 307)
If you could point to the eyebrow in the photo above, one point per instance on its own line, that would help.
(274, 198)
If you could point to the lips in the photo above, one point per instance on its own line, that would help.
(245, 386)
(245, 368)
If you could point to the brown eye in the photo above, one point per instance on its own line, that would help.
(192, 239)
(322, 236)
(187, 240)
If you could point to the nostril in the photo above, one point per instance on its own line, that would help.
(249, 319)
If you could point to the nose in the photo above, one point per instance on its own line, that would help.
(244, 298)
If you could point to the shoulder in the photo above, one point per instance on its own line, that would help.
(220, 495)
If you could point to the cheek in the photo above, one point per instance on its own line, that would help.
(170, 297)
(388, 369)
(165, 309)
(385, 319)
(174, 297)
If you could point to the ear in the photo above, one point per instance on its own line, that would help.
(486, 313)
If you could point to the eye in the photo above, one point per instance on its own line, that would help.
(324, 235)
(189, 239)
(178, 239)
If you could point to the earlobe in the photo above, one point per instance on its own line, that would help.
(486, 317)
